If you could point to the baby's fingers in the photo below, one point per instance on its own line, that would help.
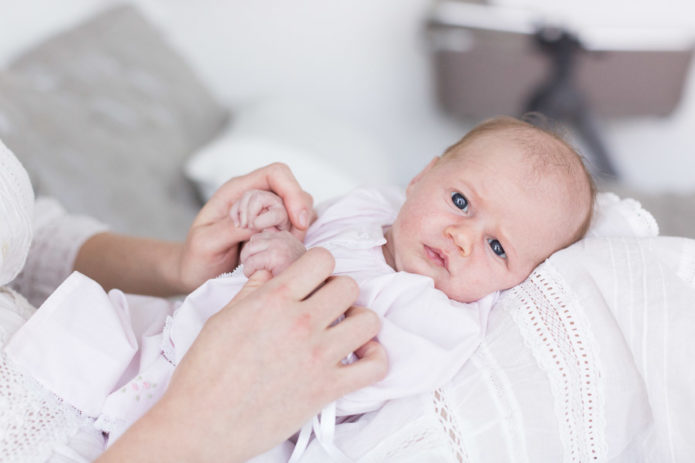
(266, 210)
(239, 210)
(251, 252)
(264, 260)
(272, 217)
(271, 259)
(234, 214)
(257, 243)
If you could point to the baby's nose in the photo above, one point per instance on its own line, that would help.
(462, 238)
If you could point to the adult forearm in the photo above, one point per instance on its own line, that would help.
(132, 264)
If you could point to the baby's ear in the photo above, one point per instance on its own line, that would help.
(422, 173)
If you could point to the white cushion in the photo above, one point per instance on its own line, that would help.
(328, 157)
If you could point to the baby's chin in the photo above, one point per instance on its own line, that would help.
(467, 295)
(457, 294)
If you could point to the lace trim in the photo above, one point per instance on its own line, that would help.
(449, 423)
(641, 218)
(33, 420)
(642, 221)
(563, 345)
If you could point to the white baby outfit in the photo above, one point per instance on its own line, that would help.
(111, 355)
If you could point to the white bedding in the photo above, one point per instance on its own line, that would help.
(589, 359)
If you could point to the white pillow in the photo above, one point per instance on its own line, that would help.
(636, 290)
(638, 296)
(328, 157)
(614, 216)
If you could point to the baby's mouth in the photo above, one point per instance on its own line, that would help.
(436, 256)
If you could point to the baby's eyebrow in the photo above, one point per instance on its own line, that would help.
(470, 192)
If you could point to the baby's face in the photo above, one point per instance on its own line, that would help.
(480, 221)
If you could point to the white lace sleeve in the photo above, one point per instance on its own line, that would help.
(34, 422)
(57, 238)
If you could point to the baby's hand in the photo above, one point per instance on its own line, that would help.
(258, 210)
(270, 250)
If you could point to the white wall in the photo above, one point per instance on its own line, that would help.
(364, 61)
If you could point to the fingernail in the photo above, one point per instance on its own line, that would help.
(304, 218)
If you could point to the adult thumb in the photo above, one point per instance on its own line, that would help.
(255, 281)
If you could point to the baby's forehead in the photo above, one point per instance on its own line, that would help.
(545, 191)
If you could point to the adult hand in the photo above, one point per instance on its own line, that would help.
(212, 245)
(260, 368)
(159, 268)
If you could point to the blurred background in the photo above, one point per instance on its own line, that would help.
(376, 70)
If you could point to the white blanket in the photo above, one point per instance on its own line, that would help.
(589, 359)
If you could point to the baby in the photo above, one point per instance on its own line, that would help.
(475, 221)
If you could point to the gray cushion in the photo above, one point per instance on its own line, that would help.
(103, 116)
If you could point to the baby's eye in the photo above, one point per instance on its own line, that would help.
(459, 201)
(497, 248)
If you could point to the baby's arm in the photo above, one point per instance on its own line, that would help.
(270, 250)
(260, 210)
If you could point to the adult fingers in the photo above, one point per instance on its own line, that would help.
(276, 177)
(255, 281)
(308, 272)
(332, 300)
(356, 330)
(221, 236)
(298, 202)
(370, 367)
